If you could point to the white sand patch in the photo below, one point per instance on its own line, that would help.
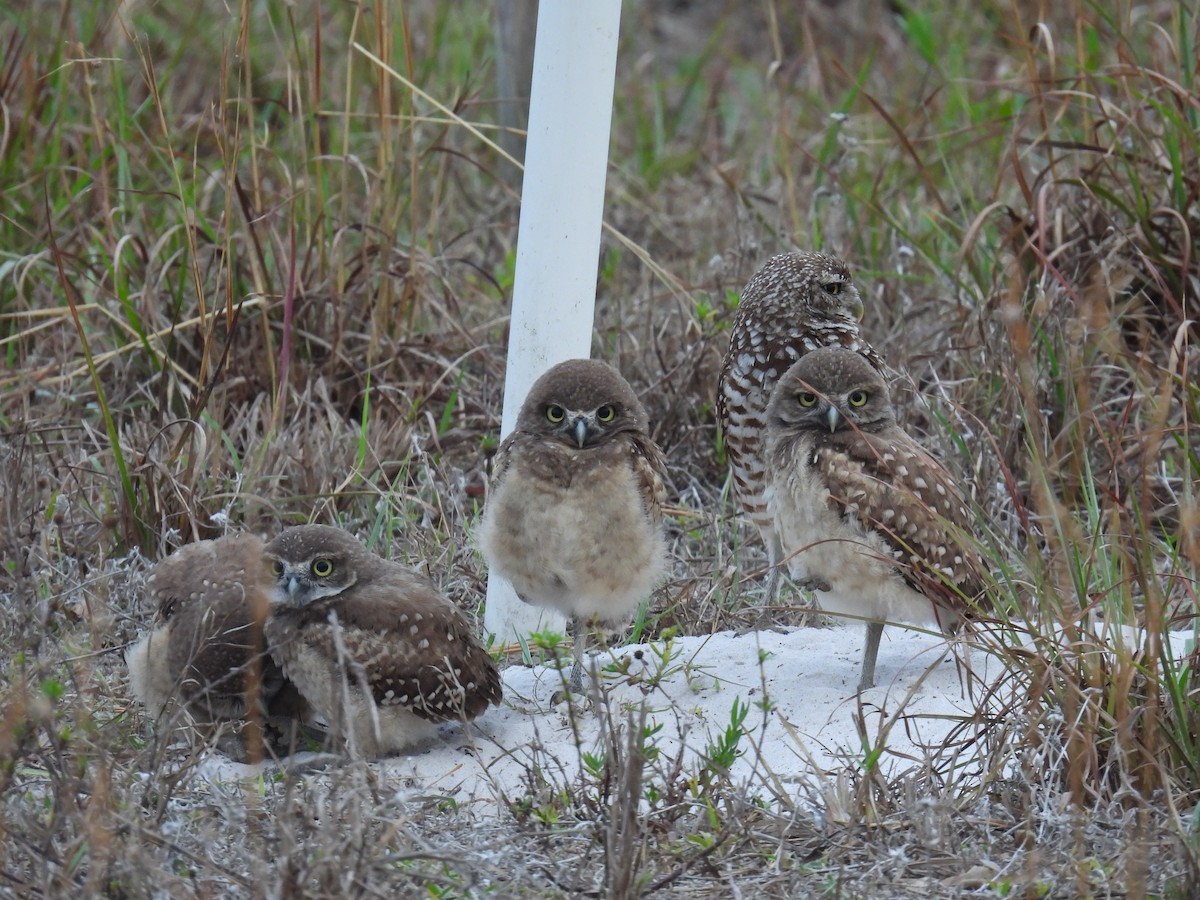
(808, 676)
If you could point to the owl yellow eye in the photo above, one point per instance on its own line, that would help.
(833, 288)
(858, 398)
(322, 568)
(606, 413)
(555, 414)
(277, 567)
(806, 399)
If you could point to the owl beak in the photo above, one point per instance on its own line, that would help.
(580, 430)
(833, 418)
(292, 586)
(857, 309)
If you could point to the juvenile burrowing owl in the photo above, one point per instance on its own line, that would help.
(378, 652)
(574, 519)
(205, 652)
(794, 304)
(861, 506)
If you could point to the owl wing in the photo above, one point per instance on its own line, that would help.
(503, 459)
(893, 487)
(218, 651)
(650, 469)
(409, 645)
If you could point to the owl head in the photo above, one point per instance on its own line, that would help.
(814, 285)
(581, 402)
(311, 562)
(829, 390)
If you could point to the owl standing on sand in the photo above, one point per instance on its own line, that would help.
(863, 507)
(574, 518)
(795, 303)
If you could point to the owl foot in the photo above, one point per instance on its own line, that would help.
(565, 695)
(574, 688)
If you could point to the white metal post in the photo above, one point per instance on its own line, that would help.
(558, 237)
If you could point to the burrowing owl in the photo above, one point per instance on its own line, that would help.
(378, 652)
(862, 506)
(205, 652)
(574, 519)
(794, 304)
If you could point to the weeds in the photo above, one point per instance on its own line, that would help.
(259, 276)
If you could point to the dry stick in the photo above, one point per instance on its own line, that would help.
(620, 839)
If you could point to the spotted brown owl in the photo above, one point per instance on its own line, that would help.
(794, 303)
(860, 506)
(376, 650)
(574, 516)
(205, 653)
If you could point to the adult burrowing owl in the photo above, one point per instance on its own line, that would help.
(862, 506)
(794, 304)
(574, 519)
(378, 652)
(205, 652)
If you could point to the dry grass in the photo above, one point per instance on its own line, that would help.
(248, 279)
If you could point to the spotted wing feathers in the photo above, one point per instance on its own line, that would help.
(650, 469)
(399, 639)
(891, 485)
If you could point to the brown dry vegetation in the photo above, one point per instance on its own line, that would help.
(247, 278)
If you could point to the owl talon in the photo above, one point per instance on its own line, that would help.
(562, 695)
(576, 698)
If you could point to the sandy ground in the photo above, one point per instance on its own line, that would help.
(808, 675)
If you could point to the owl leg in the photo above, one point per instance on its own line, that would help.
(870, 651)
(578, 633)
(775, 560)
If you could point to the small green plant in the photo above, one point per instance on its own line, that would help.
(650, 668)
(446, 419)
(546, 815)
(552, 647)
(505, 272)
(723, 752)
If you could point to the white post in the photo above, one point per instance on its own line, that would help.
(558, 238)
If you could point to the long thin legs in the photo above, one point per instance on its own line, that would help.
(578, 632)
(774, 559)
(870, 651)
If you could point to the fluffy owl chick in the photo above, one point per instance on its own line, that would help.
(380, 654)
(574, 517)
(205, 652)
(862, 506)
(794, 304)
